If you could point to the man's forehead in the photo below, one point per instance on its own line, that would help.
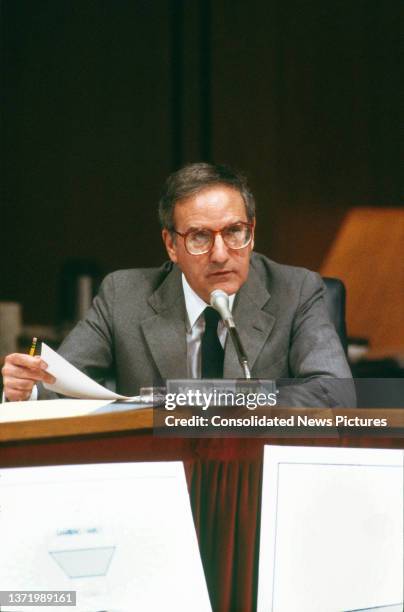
(211, 189)
(212, 204)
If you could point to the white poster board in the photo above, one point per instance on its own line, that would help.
(121, 535)
(331, 529)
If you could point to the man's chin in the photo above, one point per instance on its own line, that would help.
(229, 286)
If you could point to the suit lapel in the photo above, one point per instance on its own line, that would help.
(165, 331)
(253, 323)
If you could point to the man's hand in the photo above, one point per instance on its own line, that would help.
(20, 373)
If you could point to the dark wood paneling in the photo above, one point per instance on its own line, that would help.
(305, 100)
(88, 139)
(101, 100)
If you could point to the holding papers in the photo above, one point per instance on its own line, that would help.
(73, 383)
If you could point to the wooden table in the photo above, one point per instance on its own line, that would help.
(223, 474)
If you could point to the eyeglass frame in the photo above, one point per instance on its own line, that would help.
(214, 232)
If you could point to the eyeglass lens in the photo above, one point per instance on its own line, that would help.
(234, 236)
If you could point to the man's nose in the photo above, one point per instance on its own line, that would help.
(219, 252)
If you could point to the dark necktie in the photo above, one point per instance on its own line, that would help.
(211, 349)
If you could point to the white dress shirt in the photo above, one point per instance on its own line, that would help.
(195, 325)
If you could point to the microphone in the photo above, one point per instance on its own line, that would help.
(219, 300)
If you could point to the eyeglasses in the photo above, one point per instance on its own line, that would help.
(235, 236)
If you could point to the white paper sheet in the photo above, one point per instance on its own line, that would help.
(73, 383)
(331, 529)
(120, 535)
(11, 412)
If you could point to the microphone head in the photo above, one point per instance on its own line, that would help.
(219, 300)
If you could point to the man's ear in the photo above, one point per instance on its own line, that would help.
(170, 243)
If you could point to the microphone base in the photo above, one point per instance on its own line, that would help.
(246, 370)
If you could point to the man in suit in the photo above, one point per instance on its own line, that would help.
(150, 325)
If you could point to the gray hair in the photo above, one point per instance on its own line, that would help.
(192, 179)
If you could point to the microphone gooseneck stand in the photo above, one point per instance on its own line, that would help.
(219, 300)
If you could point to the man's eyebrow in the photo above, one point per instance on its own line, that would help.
(203, 227)
(194, 228)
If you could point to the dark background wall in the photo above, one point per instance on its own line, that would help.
(102, 99)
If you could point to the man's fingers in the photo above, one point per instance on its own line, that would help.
(14, 395)
(20, 372)
(48, 378)
(18, 384)
(17, 389)
(12, 371)
(18, 365)
(26, 361)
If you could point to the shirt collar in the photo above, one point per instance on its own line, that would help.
(196, 305)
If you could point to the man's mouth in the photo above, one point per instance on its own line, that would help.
(221, 273)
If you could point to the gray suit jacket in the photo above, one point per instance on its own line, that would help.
(136, 327)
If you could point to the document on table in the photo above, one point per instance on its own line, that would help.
(11, 412)
(73, 383)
